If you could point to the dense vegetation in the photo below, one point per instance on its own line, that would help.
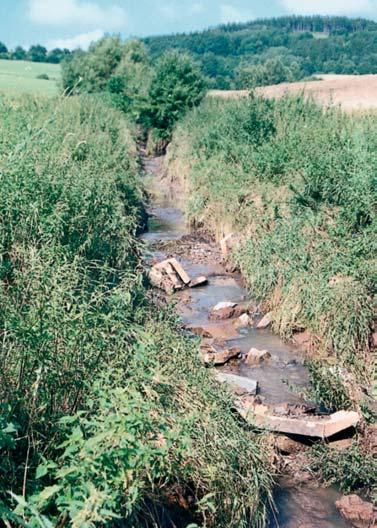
(276, 50)
(298, 184)
(106, 411)
(155, 96)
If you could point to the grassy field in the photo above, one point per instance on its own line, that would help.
(351, 92)
(20, 77)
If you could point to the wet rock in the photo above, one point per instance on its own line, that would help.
(222, 305)
(360, 513)
(246, 385)
(244, 308)
(198, 281)
(243, 321)
(256, 357)
(288, 446)
(212, 356)
(222, 311)
(265, 322)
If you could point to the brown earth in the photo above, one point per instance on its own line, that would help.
(352, 92)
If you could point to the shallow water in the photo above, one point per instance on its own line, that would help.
(303, 507)
(306, 507)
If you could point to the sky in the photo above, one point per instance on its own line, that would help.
(75, 23)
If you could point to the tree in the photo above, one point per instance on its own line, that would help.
(90, 71)
(56, 55)
(176, 86)
(3, 48)
(19, 53)
(37, 53)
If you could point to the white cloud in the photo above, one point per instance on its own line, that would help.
(230, 13)
(82, 41)
(329, 7)
(168, 11)
(77, 13)
(196, 9)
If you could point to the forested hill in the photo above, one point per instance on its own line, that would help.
(276, 50)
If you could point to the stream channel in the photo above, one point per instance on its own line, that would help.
(304, 506)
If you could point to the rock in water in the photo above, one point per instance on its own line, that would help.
(265, 322)
(211, 356)
(222, 310)
(256, 357)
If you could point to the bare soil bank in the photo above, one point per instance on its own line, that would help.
(352, 92)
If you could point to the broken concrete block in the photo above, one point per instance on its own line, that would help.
(239, 382)
(179, 270)
(360, 513)
(314, 426)
(256, 357)
(265, 322)
(198, 281)
(169, 276)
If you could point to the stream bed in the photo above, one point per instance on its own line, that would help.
(281, 380)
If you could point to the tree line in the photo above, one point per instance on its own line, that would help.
(277, 50)
(35, 53)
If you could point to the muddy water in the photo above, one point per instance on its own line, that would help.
(280, 380)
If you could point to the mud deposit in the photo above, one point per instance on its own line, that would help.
(281, 380)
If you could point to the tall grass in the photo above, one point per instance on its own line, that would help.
(106, 411)
(298, 184)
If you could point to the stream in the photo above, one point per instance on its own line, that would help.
(302, 506)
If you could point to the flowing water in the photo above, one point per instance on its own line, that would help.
(281, 379)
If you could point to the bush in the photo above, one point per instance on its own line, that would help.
(43, 76)
(176, 86)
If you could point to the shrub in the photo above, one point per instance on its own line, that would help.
(43, 76)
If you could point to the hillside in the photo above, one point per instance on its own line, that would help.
(272, 51)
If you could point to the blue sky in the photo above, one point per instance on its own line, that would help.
(74, 23)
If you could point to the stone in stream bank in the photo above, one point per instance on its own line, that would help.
(360, 513)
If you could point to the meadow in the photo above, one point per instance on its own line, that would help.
(20, 77)
(107, 412)
(297, 184)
